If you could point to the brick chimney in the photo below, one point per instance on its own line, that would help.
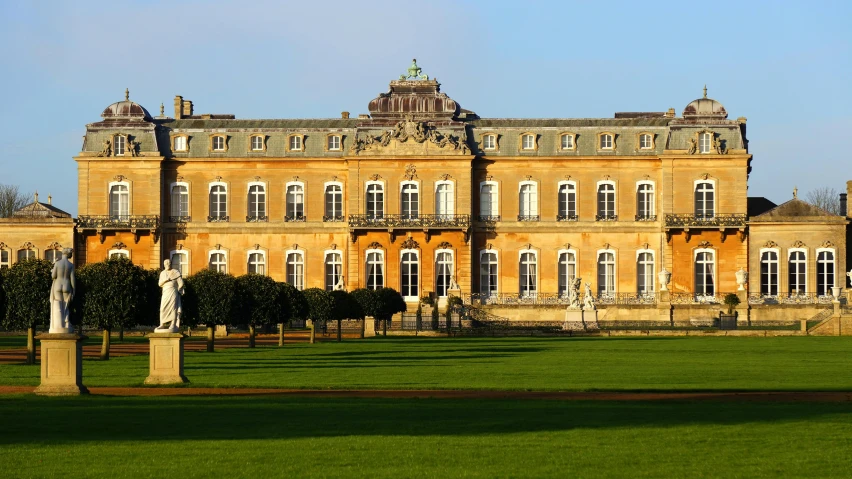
(183, 108)
(344, 115)
(848, 193)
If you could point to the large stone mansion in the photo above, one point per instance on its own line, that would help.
(421, 193)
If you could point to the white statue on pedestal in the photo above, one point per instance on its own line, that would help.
(453, 285)
(61, 294)
(339, 285)
(589, 299)
(850, 276)
(574, 293)
(170, 305)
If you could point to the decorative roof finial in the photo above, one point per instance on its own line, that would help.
(36, 196)
(414, 72)
(795, 192)
(162, 110)
(705, 90)
(49, 199)
(127, 94)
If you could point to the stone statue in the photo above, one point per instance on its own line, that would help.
(742, 279)
(339, 285)
(106, 149)
(134, 145)
(693, 146)
(170, 304)
(589, 299)
(61, 294)
(453, 284)
(850, 276)
(574, 293)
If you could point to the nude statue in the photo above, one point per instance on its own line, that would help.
(170, 304)
(588, 299)
(61, 294)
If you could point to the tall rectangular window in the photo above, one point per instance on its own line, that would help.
(119, 204)
(119, 145)
(218, 203)
(705, 267)
(825, 272)
(52, 255)
(528, 269)
(5, 260)
(410, 201)
(256, 203)
(644, 201)
(443, 272)
(296, 269)
(705, 200)
(444, 200)
(333, 202)
(606, 273)
(797, 268)
(705, 142)
(409, 272)
(375, 200)
(295, 202)
(566, 270)
(375, 270)
(333, 269)
(567, 202)
(487, 273)
(257, 263)
(769, 273)
(606, 202)
(528, 202)
(488, 201)
(567, 142)
(645, 273)
(180, 201)
(180, 262)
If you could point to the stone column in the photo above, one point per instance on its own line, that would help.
(61, 365)
(166, 359)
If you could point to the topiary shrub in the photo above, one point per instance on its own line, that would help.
(257, 303)
(27, 290)
(732, 300)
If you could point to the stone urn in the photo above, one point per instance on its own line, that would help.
(835, 291)
(664, 277)
(742, 279)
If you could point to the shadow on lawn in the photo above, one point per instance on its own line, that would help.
(29, 419)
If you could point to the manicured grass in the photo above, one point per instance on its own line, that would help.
(265, 436)
(20, 342)
(624, 363)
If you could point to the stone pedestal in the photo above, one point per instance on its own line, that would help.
(61, 365)
(369, 327)
(573, 320)
(590, 320)
(166, 359)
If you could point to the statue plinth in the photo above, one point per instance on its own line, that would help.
(166, 359)
(61, 365)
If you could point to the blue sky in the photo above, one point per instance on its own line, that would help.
(785, 66)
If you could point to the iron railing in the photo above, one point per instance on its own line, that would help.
(416, 221)
(609, 217)
(697, 298)
(257, 219)
(539, 298)
(333, 218)
(567, 217)
(180, 219)
(218, 219)
(790, 298)
(113, 221)
(646, 217)
(295, 219)
(529, 218)
(488, 218)
(706, 221)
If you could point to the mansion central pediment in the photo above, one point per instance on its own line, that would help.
(410, 137)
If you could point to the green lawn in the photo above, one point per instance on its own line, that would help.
(319, 437)
(20, 342)
(627, 363)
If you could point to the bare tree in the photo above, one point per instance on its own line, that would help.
(825, 198)
(11, 200)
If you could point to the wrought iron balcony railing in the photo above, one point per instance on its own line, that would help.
(646, 217)
(333, 218)
(180, 219)
(541, 298)
(488, 218)
(416, 221)
(218, 219)
(256, 219)
(118, 221)
(567, 217)
(296, 219)
(705, 220)
(529, 218)
(606, 217)
(791, 298)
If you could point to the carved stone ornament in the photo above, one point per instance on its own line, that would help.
(417, 131)
(3, 245)
(333, 246)
(705, 244)
(410, 171)
(445, 245)
(664, 277)
(375, 245)
(218, 246)
(119, 245)
(257, 246)
(799, 244)
(414, 72)
(446, 176)
(118, 177)
(606, 246)
(827, 244)
(106, 148)
(295, 246)
(742, 279)
(27, 245)
(179, 247)
(770, 244)
(376, 177)
(409, 243)
(54, 245)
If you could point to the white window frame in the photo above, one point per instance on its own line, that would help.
(301, 255)
(325, 189)
(833, 252)
(608, 145)
(382, 262)
(262, 254)
(408, 214)
(572, 146)
(224, 253)
(287, 202)
(570, 251)
(115, 145)
(533, 210)
(265, 199)
(213, 142)
(180, 148)
(210, 192)
(760, 262)
(8, 263)
(485, 145)
(494, 198)
(711, 182)
(708, 147)
(450, 199)
(527, 294)
(573, 185)
(299, 139)
(122, 252)
(452, 263)
(330, 142)
(381, 185)
(109, 199)
(402, 254)
(650, 141)
(614, 211)
(329, 286)
(184, 262)
(606, 290)
(715, 274)
(652, 210)
(525, 138)
(259, 138)
(496, 291)
(652, 277)
(790, 252)
(172, 199)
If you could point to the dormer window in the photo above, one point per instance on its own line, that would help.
(566, 141)
(705, 142)
(179, 143)
(333, 143)
(119, 145)
(528, 141)
(257, 143)
(489, 142)
(217, 143)
(646, 141)
(296, 143)
(606, 141)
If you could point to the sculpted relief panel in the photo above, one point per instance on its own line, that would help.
(410, 137)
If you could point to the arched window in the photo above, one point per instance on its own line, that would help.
(333, 269)
(825, 271)
(645, 272)
(179, 202)
(487, 273)
(375, 200)
(180, 261)
(218, 261)
(119, 201)
(528, 201)
(217, 143)
(257, 143)
(295, 201)
(118, 253)
(605, 141)
(25, 254)
(705, 142)
(443, 271)
(566, 141)
(645, 201)
(606, 272)
(488, 210)
(409, 200)
(705, 272)
(256, 202)
(444, 199)
(606, 201)
(489, 142)
(797, 268)
(409, 274)
(333, 202)
(52, 255)
(296, 269)
(333, 142)
(256, 262)
(567, 201)
(769, 272)
(705, 200)
(375, 269)
(528, 277)
(646, 141)
(180, 143)
(528, 141)
(218, 196)
(567, 270)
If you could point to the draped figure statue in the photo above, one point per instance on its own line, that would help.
(170, 304)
